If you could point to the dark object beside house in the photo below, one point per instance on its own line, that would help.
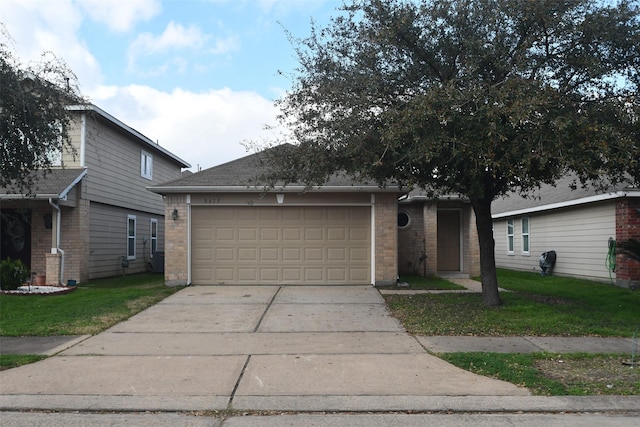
(158, 262)
(547, 261)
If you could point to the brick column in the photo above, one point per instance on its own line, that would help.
(386, 244)
(627, 227)
(53, 268)
(473, 260)
(176, 261)
(430, 218)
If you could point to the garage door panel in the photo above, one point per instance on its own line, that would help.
(225, 234)
(247, 254)
(247, 275)
(269, 234)
(292, 235)
(225, 254)
(291, 254)
(248, 234)
(313, 233)
(336, 254)
(306, 245)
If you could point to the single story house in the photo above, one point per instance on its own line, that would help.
(226, 230)
(581, 225)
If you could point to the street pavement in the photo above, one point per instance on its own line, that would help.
(312, 355)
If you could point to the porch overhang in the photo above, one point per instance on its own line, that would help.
(51, 185)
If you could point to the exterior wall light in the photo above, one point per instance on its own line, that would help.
(174, 214)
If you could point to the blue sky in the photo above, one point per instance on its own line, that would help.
(198, 76)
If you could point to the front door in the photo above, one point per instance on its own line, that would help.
(449, 240)
(15, 235)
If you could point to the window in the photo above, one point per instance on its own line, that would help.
(403, 219)
(146, 165)
(510, 227)
(525, 235)
(153, 232)
(131, 237)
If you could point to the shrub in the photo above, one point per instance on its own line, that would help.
(12, 274)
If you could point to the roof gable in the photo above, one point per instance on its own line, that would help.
(555, 196)
(242, 175)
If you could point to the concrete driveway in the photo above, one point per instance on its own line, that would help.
(286, 348)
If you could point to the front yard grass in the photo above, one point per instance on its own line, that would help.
(90, 309)
(546, 374)
(536, 306)
(429, 283)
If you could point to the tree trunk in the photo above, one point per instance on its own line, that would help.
(484, 225)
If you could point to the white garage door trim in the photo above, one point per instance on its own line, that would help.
(344, 270)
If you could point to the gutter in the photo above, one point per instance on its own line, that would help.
(57, 248)
(568, 203)
(261, 189)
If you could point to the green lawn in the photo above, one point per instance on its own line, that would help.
(536, 305)
(429, 283)
(556, 375)
(90, 309)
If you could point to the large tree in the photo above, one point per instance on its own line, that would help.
(34, 120)
(471, 97)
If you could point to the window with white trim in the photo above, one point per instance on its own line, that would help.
(146, 165)
(510, 234)
(524, 222)
(131, 237)
(153, 233)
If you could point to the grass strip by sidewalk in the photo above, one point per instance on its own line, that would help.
(429, 283)
(548, 374)
(537, 305)
(90, 309)
(8, 361)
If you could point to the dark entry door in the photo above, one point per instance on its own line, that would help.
(448, 240)
(15, 235)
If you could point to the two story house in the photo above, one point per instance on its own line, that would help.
(91, 216)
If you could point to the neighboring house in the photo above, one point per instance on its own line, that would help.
(578, 225)
(228, 230)
(92, 214)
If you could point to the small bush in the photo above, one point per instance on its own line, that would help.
(12, 274)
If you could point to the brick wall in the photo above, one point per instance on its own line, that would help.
(176, 262)
(411, 241)
(627, 227)
(386, 213)
(430, 218)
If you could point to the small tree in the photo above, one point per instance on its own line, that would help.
(34, 120)
(471, 97)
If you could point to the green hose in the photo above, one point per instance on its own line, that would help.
(611, 258)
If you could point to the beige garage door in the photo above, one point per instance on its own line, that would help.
(281, 245)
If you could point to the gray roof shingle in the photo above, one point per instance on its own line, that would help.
(54, 184)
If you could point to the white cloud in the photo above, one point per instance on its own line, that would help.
(175, 39)
(205, 129)
(41, 26)
(118, 15)
(174, 36)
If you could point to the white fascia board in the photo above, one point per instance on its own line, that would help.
(568, 203)
(130, 130)
(64, 192)
(253, 189)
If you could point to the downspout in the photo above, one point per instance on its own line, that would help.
(57, 248)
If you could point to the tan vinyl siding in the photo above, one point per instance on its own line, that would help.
(579, 235)
(114, 170)
(108, 240)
